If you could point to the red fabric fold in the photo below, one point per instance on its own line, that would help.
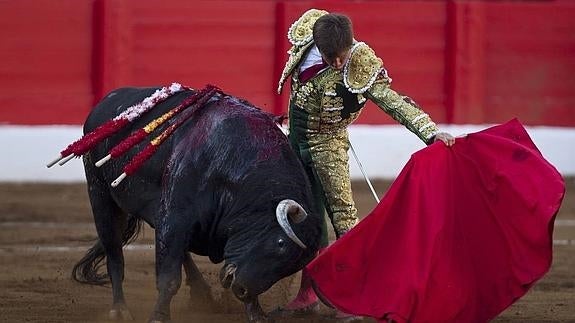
(311, 71)
(462, 233)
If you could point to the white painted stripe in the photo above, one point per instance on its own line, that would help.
(564, 242)
(47, 225)
(383, 150)
(89, 225)
(148, 247)
(34, 249)
(565, 223)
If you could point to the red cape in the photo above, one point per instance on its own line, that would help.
(462, 233)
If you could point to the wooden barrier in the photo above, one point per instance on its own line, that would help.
(464, 62)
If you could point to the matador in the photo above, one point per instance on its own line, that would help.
(332, 77)
(324, 101)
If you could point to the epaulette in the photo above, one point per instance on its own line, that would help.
(362, 68)
(300, 35)
(301, 31)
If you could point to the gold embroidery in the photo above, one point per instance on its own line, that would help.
(362, 68)
(303, 93)
(330, 159)
(301, 31)
(332, 105)
(320, 99)
(331, 111)
(403, 109)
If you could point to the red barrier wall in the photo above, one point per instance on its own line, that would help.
(462, 61)
(45, 61)
(513, 60)
(226, 43)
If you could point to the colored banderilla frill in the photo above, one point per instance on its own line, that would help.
(91, 139)
(197, 100)
(139, 135)
(183, 110)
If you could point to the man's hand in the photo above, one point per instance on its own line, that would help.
(447, 138)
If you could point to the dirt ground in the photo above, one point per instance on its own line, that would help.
(46, 228)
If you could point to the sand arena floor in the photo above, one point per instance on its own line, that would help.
(46, 228)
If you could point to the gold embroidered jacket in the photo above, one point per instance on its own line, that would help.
(333, 99)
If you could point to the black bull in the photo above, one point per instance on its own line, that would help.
(213, 189)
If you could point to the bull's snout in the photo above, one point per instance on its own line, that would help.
(228, 279)
(228, 275)
(240, 292)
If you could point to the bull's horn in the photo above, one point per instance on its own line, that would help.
(296, 213)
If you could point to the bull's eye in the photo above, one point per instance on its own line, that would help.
(281, 243)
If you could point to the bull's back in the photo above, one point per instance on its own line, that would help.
(222, 139)
(116, 102)
(230, 135)
(119, 101)
(140, 192)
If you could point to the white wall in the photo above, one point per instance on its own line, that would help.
(383, 150)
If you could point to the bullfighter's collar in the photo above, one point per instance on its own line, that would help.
(361, 69)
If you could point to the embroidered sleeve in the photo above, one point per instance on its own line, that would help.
(401, 108)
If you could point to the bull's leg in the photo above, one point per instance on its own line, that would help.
(110, 223)
(200, 292)
(115, 267)
(255, 313)
(170, 254)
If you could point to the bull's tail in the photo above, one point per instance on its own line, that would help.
(87, 270)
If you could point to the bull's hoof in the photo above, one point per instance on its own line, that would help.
(159, 317)
(259, 318)
(342, 317)
(120, 313)
(352, 319)
(311, 309)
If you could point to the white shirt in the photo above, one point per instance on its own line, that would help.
(313, 57)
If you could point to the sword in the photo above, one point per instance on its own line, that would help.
(363, 172)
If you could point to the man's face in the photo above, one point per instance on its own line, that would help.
(339, 62)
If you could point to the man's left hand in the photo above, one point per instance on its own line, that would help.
(447, 138)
